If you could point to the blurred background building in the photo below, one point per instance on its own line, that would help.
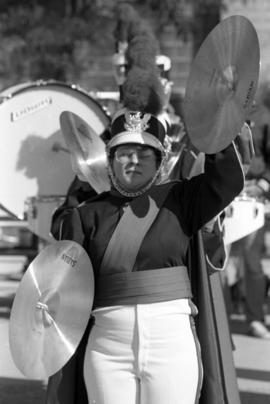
(72, 40)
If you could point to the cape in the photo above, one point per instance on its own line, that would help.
(219, 383)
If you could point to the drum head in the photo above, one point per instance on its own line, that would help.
(33, 154)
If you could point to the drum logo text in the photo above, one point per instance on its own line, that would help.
(30, 109)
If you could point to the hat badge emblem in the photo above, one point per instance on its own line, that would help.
(135, 122)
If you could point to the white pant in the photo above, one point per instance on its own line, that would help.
(143, 354)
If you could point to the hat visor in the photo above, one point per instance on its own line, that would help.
(134, 137)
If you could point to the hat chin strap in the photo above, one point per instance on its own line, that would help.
(140, 191)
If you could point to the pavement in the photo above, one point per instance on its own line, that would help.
(252, 363)
(251, 355)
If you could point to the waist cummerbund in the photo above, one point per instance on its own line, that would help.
(150, 286)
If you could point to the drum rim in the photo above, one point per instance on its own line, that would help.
(45, 198)
(43, 83)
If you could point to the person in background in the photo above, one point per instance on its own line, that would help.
(252, 247)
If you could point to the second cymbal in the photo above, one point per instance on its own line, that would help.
(222, 84)
(87, 149)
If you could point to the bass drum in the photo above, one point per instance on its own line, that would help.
(34, 159)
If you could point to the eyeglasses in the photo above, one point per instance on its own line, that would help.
(124, 154)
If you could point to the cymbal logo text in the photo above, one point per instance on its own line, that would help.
(249, 93)
(71, 256)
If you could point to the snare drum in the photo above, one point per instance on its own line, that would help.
(34, 160)
(243, 216)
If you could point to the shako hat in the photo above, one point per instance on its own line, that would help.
(138, 127)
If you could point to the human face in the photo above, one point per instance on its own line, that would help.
(134, 166)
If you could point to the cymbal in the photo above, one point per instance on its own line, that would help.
(51, 309)
(87, 149)
(222, 84)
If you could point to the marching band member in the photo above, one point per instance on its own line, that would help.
(143, 346)
(176, 146)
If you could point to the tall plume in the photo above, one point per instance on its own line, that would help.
(142, 51)
(128, 24)
(142, 89)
